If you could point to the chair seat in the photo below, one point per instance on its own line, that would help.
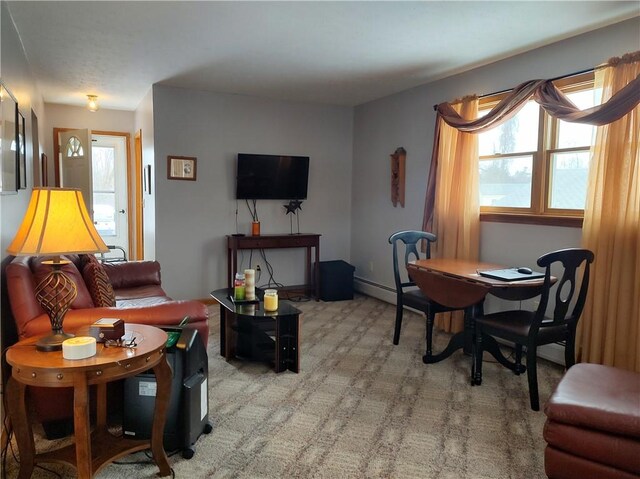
(517, 324)
(417, 300)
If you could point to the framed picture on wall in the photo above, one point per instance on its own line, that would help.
(22, 152)
(9, 135)
(181, 168)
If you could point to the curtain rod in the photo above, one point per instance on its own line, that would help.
(588, 70)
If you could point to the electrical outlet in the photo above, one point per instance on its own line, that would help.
(258, 268)
(371, 266)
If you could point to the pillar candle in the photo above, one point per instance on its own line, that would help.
(250, 284)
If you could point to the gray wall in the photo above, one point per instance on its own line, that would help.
(407, 119)
(192, 218)
(16, 75)
(144, 123)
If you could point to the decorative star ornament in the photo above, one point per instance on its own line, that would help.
(293, 206)
(290, 208)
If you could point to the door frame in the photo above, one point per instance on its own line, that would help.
(133, 253)
(138, 172)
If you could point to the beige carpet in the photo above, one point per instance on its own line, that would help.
(360, 408)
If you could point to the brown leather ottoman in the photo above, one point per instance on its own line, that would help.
(593, 424)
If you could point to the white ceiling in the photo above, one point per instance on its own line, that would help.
(343, 53)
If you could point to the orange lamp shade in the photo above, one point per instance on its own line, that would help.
(56, 222)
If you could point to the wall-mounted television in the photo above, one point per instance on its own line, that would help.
(272, 177)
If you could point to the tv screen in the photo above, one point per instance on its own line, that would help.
(272, 177)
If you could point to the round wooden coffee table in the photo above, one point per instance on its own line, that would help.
(31, 367)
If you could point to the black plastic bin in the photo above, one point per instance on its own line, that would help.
(336, 280)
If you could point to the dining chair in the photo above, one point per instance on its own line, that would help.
(530, 329)
(407, 293)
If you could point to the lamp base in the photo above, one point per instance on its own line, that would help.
(52, 342)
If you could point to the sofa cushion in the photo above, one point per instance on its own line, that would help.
(40, 271)
(151, 290)
(561, 465)
(98, 285)
(613, 406)
(612, 450)
(133, 273)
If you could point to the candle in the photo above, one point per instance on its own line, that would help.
(239, 287)
(250, 284)
(270, 300)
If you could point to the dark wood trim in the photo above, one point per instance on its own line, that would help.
(308, 241)
(547, 220)
(139, 172)
(208, 301)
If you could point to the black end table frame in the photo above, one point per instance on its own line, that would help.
(248, 331)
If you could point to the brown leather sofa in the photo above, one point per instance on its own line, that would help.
(593, 424)
(139, 299)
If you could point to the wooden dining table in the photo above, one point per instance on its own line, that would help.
(458, 284)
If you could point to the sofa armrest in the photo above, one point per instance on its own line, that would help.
(22, 292)
(133, 274)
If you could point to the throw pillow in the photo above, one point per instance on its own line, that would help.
(99, 285)
(88, 258)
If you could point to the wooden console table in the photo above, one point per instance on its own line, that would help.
(303, 240)
(90, 451)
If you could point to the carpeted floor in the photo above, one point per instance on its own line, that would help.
(359, 408)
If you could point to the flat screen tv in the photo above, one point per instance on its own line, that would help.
(272, 177)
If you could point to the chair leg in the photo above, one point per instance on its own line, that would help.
(570, 351)
(518, 360)
(532, 377)
(396, 332)
(429, 333)
(476, 367)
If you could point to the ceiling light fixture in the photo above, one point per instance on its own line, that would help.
(92, 102)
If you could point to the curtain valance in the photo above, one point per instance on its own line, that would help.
(545, 93)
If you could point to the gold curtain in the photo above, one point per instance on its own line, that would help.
(609, 332)
(457, 203)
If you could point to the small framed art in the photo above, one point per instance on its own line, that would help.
(181, 168)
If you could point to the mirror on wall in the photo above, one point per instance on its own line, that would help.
(10, 146)
(22, 152)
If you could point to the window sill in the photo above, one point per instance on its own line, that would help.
(547, 220)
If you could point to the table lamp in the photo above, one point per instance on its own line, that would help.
(56, 223)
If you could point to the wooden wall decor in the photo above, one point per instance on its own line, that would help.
(397, 176)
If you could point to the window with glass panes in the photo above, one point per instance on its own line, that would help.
(535, 167)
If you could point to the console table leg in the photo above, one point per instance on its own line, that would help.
(81, 426)
(17, 410)
(163, 393)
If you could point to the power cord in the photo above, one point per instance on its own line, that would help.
(9, 446)
(253, 211)
(272, 283)
(147, 462)
(237, 217)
